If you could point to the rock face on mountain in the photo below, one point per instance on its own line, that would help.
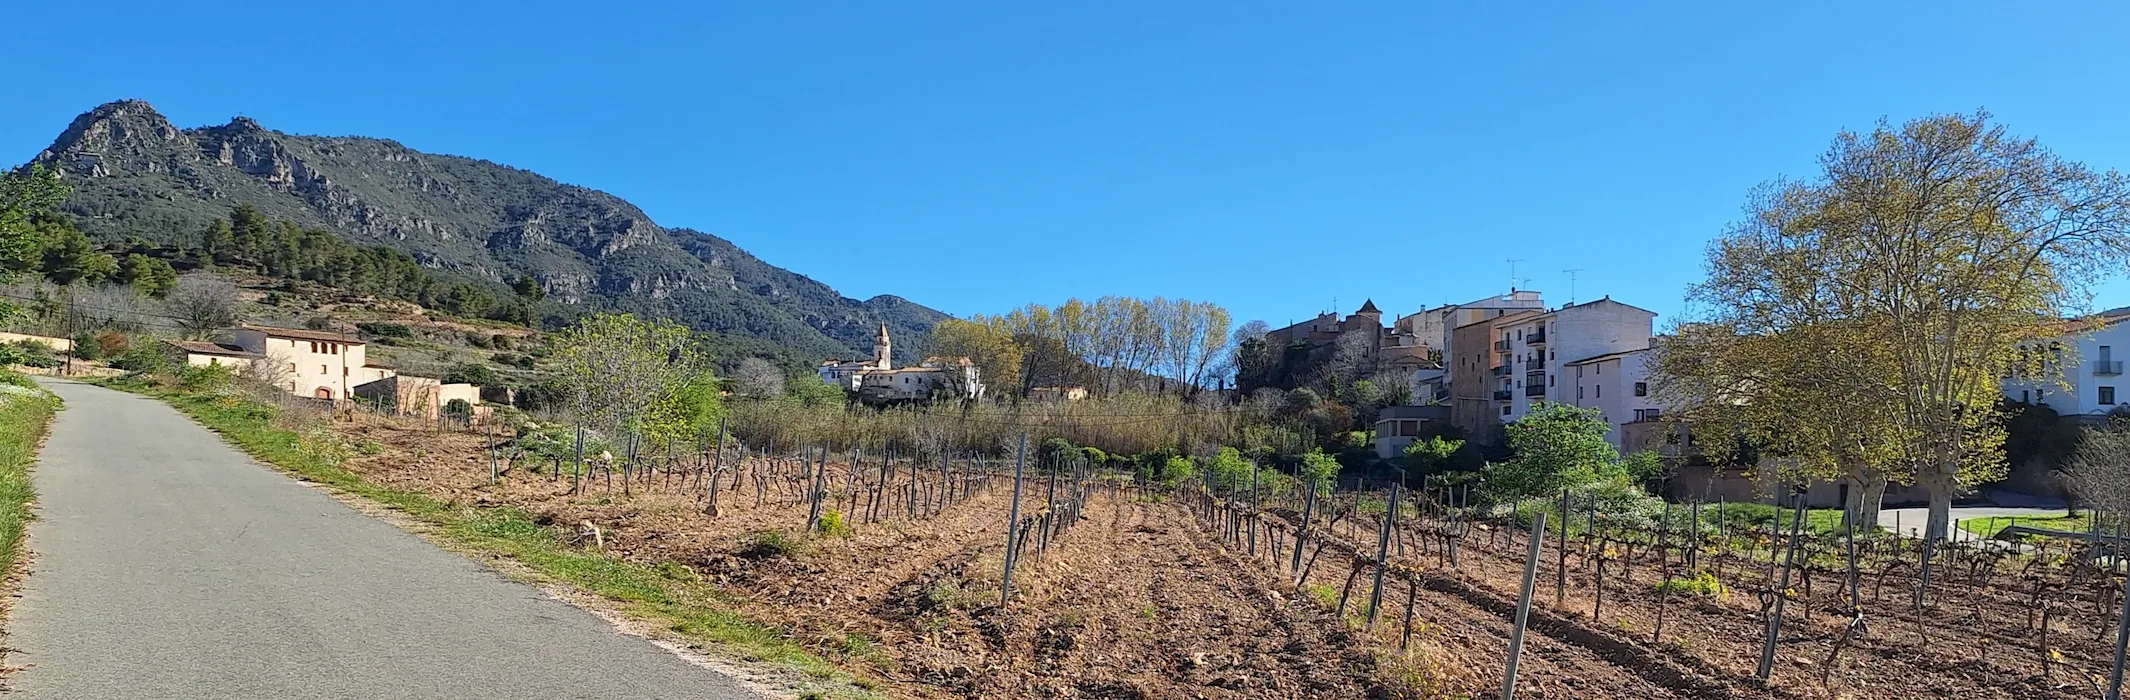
(136, 175)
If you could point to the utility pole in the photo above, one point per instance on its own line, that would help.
(1571, 284)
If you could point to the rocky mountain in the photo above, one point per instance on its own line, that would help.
(136, 175)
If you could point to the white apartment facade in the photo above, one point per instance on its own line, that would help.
(2082, 374)
(1617, 385)
(1537, 350)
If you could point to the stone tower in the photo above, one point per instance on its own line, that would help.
(883, 358)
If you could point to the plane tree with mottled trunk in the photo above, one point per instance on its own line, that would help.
(1924, 256)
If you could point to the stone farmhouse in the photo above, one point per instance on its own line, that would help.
(321, 365)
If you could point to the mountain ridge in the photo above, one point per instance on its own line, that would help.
(137, 175)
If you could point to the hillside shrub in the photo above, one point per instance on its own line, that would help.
(141, 358)
(85, 346)
(112, 343)
(394, 331)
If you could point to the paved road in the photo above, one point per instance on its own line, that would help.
(1917, 518)
(169, 565)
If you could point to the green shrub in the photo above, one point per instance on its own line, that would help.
(141, 358)
(17, 379)
(204, 377)
(512, 360)
(832, 525)
(1702, 583)
(386, 330)
(468, 373)
(85, 346)
(770, 544)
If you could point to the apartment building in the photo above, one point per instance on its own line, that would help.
(1477, 372)
(2080, 374)
(1617, 385)
(1435, 327)
(1538, 348)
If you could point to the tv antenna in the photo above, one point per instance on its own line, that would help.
(1512, 272)
(1571, 284)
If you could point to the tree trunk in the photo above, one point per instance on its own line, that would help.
(1867, 492)
(1940, 485)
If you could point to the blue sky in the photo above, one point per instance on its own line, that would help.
(1273, 157)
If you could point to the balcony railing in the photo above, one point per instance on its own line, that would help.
(1501, 345)
(1537, 337)
(1535, 390)
(1534, 365)
(2107, 368)
(1503, 395)
(1501, 370)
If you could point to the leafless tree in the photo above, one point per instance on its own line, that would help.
(274, 370)
(758, 378)
(2098, 471)
(202, 303)
(117, 307)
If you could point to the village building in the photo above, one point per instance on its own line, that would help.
(878, 381)
(322, 365)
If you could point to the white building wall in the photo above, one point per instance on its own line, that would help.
(1610, 385)
(316, 368)
(1570, 334)
(2091, 361)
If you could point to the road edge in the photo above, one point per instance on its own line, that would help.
(768, 677)
(18, 493)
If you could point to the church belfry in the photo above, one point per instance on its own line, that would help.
(883, 358)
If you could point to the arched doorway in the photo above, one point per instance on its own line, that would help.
(325, 393)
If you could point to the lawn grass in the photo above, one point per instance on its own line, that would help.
(666, 596)
(23, 422)
(1987, 527)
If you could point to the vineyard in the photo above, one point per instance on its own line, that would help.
(1005, 573)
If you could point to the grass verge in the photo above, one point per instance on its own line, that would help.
(24, 419)
(665, 596)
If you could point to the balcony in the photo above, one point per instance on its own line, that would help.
(1501, 345)
(1503, 395)
(1537, 337)
(2107, 368)
(1535, 365)
(1535, 390)
(1500, 370)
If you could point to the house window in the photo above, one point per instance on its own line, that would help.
(2107, 396)
(1578, 393)
(1550, 380)
(1504, 410)
(1641, 388)
(1519, 334)
(321, 369)
(2023, 396)
(1578, 373)
(1600, 391)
